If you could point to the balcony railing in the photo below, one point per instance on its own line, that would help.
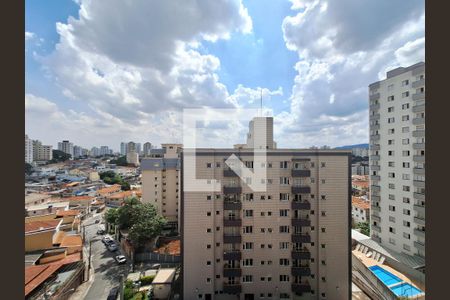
(374, 137)
(419, 183)
(236, 222)
(301, 254)
(375, 208)
(232, 190)
(419, 171)
(374, 117)
(300, 222)
(418, 108)
(300, 238)
(418, 121)
(376, 228)
(375, 146)
(418, 83)
(375, 188)
(419, 220)
(419, 158)
(301, 288)
(419, 245)
(374, 97)
(232, 288)
(232, 255)
(232, 272)
(376, 238)
(232, 205)
(418, 96)
(375, 177)
(301, 173)
(419, 196)
(419, 232)
(301, 205)
(299, 189)
(232, 238)
(419, 208)
(418, 146)
(300, 271)
(418, 133)
(376, 218)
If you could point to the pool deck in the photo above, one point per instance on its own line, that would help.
(369, 262)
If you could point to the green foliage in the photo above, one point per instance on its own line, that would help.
(364, 227)
(125, 186)
(112, 215)
(59, 156)
(121, 161)
(147, 279)
(109, 177)
(28, 169)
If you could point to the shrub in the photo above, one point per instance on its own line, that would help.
(147, 279)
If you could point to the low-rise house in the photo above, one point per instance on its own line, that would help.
(360, 210)
(104, 192)
(37, 199)
(117, 199)
(39, 234)
(46, 208)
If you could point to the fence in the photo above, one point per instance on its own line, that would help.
(156, 257)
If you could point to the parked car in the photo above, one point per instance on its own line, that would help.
(105, 239)
(100, 232)
(112, 247)
(121, 259)
(113, 293)
(97, 221)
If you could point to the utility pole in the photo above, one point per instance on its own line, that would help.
(89, 261)
(121, 288)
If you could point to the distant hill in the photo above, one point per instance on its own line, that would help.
(366, 146)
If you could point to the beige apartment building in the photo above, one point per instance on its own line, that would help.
(290, 242)
(160, 182)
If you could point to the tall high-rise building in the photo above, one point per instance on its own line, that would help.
(42, 152)
(66, 147)
(123, 148)
(104, 150)
(147, 149)
(397, 160)
(161, 183)
(95, 151)
(77, 151)
(132, 154)
(28, 150)
(290, 242)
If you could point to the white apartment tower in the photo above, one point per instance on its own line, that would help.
(290, 242)
(28, 150)
(397, 160)
(66, 147)
(147, 149)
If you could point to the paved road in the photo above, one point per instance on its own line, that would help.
(107, 272)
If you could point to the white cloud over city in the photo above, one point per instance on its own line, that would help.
(132, 66)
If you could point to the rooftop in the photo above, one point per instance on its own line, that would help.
(71, 240)
(41, 225)
(121, 195)
(164, 276)
(154, 164)
(360, 203)
(110, 189)
(67, 213)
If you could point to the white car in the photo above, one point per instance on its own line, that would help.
(121, 259)
(106, 238)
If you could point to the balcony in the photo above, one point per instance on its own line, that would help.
(232, 255)
(375, 198)
(419, 245)
(375, 208)
(419, 196)
(300, 238)
(376, 238)
(418, 121)
(419, 183)
(300, 271)
(232, 272)
(375, 177)
(232, 190)
(232, 205)
(301, 189)
(419, 171)
(419, 208)
(375, 218)
(301, 205)
(375, 137)
(375, 228)
(418, 83)
(229, 173)
(419, 220)
(232, 288)
(419, 158)
(375, 147)
(419, 232)
(418, 133)
(374, 97)
(375, 127)
(232, 238)
(374, 157)
(375, 188)
(418, 146)
(418, 96)
(301, 222)
(374, 117)
(375, 168)
(301, 173)
(232, 222)
(418, 108)
(301, 288)
(374, 106)
(301, 254)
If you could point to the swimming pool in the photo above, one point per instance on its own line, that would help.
(385, 276)
(405, 289)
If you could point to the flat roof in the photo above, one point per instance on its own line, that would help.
(46, 205)
(164, 276)
(154, 164)
(358, 236)
(268, 152)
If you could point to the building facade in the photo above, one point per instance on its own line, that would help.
(28, 150)
(397, 160)
(66, 147)
(290, 242)
(161, 183)
(360, 210)
(123, 148)
(147, 149)
(42, 152)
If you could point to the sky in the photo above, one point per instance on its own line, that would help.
(106, 71)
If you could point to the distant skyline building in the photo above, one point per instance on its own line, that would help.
(147, 149)
(397, 160)
(104, 150)
(28, 150)
(123, 148)
(66, 147)
(138, 148)
(77, 151)
(41, 152)
(95, 151)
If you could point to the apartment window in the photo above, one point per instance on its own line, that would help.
(263, 214)
(391, 131)
(284, 164)
(390, 109)
(405, 94)
(405, 82)
(284, 180)
(392, 241)
(284, 229)
(406, 212)
(406, 176)
(249, 164)
(391, 88)
(208, 197)
(405, 153)
(323, 262)
(218, 228)
(405, 118)
(391, 175)
(284, 262)
(392, 229)
(391, 153)
(323, 229)
(284, 245)
(391, 142)
(312, 180)
(406, 235)
(217, 164)
(284, 212)
(284, 197)
(248, 197)
(247, 278)
(405, 129)
(208, 230)
(392, 219)
(391, 186)
(208, 165)
(406, 188)
(391, 197)
(247, 262)
(405, 106)
(247, 246)
(323, 213)
(391, 207)
(323, 197)
(406, 200)
(390, 98)
(322, 165)
(284, 278)
(208, 246)
(248, 213)
(248, 229)
(405, 141)
(269, 165)
(391, 120)
(406, 247)
(263, 230)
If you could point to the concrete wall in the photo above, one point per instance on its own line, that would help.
(38, 241)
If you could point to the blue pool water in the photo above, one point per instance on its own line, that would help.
(405, 289)
(386, 277)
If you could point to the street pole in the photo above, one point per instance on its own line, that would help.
(89, 261)
(121, 287)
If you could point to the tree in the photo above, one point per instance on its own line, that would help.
(120, 161)
(59, 156)
(112, 216)
(125, 186)
(364, 227)
(28, 169)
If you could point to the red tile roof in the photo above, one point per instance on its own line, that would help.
(362, 184)
(78, 198)
(41, 225)
(110, 189)
(121, 195)
(67, 213)
(71, 240)
(360, 203)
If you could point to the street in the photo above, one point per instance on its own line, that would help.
(107, 272)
